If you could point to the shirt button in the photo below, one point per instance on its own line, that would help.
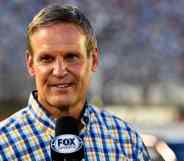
(86, 119)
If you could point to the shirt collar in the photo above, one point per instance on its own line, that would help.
(86, 116)
(47, 119)
(39, 112)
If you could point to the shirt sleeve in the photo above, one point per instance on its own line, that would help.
(143, 154)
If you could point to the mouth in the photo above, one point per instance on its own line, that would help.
(62, 86)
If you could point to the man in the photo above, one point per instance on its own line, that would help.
(61, 55)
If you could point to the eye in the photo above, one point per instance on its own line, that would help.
(72, 58)
(46, 58)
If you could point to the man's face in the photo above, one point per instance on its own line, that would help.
(60, 65)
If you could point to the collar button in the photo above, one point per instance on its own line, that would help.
(86, 119)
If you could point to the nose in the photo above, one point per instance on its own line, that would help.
(59, 69)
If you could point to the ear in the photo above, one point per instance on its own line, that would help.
(95, 59)
(29, 63)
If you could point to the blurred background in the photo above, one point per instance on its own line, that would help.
(141, 74)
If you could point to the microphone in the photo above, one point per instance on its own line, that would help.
(67, 145)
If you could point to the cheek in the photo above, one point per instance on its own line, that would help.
(77, 70)
(41, 74)
(83, 73)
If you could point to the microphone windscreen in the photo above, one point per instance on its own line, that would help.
(67, 145)
(67, 125)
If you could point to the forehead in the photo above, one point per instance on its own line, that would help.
(58, 35)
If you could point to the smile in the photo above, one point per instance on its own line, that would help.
(62, 86)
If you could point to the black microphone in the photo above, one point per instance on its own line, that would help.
(67, 145)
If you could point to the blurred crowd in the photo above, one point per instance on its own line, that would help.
(141, 46)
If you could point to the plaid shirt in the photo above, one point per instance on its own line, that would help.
(26, 135)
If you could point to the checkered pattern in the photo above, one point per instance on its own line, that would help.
(25, 136)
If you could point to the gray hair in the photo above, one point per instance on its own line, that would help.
(56, 13)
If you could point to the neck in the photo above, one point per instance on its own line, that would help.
(73, 111)
(66, 110)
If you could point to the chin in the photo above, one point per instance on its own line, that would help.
(59, 102)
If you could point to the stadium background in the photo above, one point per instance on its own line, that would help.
(141, 74)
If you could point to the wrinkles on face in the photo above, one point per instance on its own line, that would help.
(62, 69)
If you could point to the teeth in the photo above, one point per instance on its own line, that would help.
(62, 86)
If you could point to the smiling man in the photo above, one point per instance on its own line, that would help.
(62, 55)
(61, 67)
